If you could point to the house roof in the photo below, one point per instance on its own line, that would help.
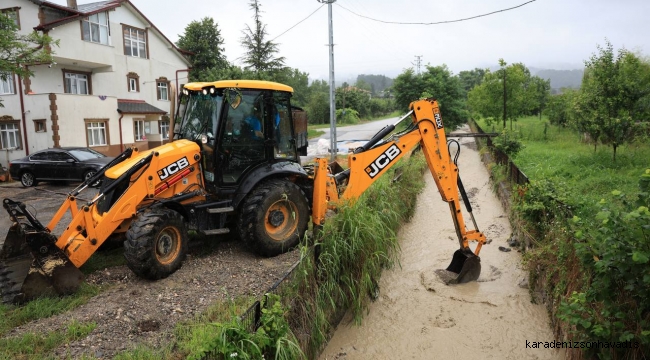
(128, 106)
(67, 14)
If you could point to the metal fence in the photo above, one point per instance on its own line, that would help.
(515, 175)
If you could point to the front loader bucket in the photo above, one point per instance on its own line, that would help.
(465, 267)
(15, 261)
(31, 265)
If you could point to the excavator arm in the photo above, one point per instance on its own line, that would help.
(371, 161)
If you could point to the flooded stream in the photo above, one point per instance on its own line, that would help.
(417, 316)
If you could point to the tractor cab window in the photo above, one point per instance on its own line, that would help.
(284, 147)
(200, 117)
(243, 146)
(199, 122)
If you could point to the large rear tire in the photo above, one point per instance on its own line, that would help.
(156, 243)
(273, 217)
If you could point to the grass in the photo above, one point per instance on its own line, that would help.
(37, 346)
(13, 316)
(560, 155)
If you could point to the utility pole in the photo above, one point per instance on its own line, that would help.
(333, 147)
(418, 62)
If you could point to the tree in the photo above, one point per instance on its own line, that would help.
(440, 82)
(204, 41)
(17, 51)
(558, 108)
(260, 53)
(407, 87)
(613, 89)
(471, 78)
(503, 94)
(540, 92)
(437, 82)
(318, 103)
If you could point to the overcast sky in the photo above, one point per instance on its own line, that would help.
(557, 34)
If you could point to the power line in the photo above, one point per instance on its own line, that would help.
(298, 23)
(438, 22)
(418, 62)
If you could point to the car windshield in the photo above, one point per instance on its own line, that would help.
(85, 154)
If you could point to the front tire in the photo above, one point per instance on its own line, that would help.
(156, 243)
(27, 179)
(273, 217)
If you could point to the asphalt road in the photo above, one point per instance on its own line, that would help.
(347, 135)
(42, 200)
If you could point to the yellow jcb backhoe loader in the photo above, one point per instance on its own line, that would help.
(232, 165)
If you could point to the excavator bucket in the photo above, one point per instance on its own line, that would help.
(31, 265)
(465, 267)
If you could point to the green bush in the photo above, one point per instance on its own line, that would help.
(616, 252)
(543, 202)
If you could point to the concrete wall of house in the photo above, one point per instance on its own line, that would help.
(39, 106)
(108, 67)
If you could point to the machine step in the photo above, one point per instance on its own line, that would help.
(216, 231)
(221, 210)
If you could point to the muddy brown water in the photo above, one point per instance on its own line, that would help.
(417, 316)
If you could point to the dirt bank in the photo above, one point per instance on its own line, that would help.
(418, 317)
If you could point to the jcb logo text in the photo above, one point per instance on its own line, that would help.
(173, 168)
(382, 161)
(438, 120)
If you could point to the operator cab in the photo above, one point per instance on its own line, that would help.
(239, 125)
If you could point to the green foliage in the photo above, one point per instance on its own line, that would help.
(441, 84)
(543, 204)
(559, 107)
(18, 51)
(347, 116)
(231, 340)
(204, 41)
(471, 78)
(615, 249)
(611, 97)
(318, 108)
(260, 55)
(524, 94)
(508, 142)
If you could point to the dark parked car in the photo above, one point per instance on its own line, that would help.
(62, 164)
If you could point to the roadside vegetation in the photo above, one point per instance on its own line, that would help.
(356, 244)
(585, 209)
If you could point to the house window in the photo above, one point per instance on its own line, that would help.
(163, 126)
(139, 130)
(9, 135)
(163, 90)
(133, 82)
(12, 13)
(6, 83)
(133, 85)
(135, 42)
(96, 132)
(95, 28)
(77, 82)
(40, 126)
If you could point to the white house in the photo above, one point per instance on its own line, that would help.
(111, 85)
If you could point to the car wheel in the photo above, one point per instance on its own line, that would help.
(88, 175)
(28, 179)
